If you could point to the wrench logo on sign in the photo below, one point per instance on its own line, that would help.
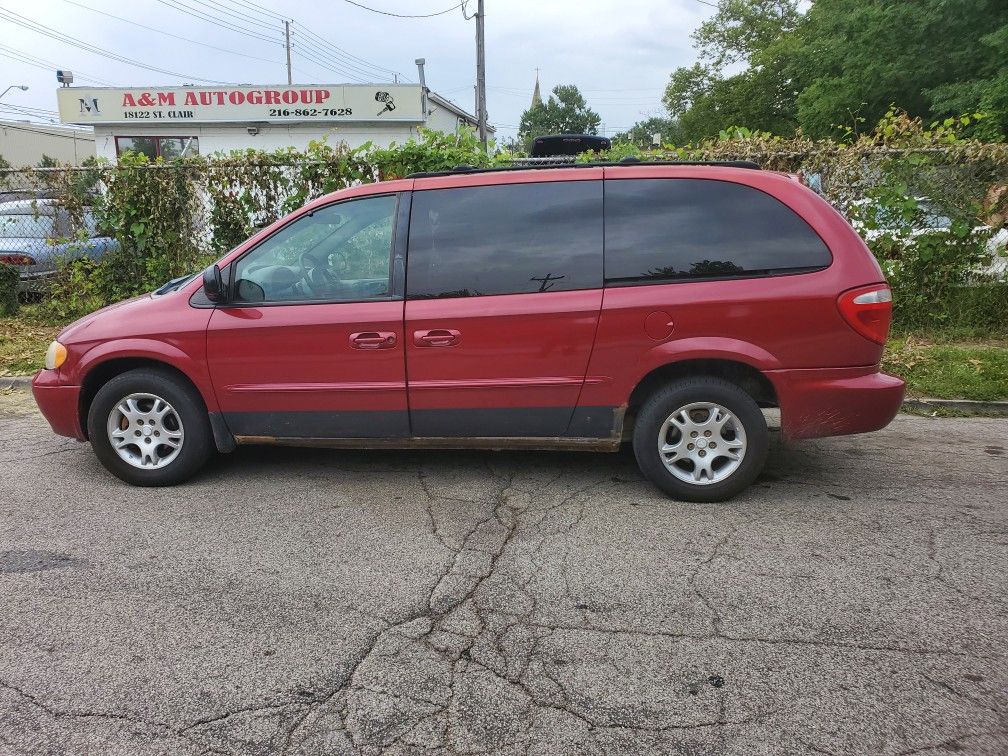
(387, 99)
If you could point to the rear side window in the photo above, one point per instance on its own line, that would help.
(668, 229)
(505, 239)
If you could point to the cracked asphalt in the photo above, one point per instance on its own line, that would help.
(330, 602)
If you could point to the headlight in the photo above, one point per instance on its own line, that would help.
(55, 355)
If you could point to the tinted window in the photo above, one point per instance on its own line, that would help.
(666, 229)
(509, 239)
(339, 252)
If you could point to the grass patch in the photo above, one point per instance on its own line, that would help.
(24, 339)
(950, 370)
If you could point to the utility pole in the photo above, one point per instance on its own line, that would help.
(287, 45)
(481, 113)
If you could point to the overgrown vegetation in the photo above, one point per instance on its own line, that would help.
(927, 199)
(9, 276)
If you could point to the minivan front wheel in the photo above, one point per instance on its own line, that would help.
(701, 439)
(149, 428)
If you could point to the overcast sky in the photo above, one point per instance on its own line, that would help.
(618, 52)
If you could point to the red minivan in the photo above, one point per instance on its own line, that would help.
(566, 307)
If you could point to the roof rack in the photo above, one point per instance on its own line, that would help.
(627, 161)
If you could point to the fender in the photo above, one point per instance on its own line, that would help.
(152, 349)
(703, 348)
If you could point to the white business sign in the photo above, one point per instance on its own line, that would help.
(239, 104)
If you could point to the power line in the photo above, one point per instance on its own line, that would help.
(189, 10)
(48, 65)
(406, 15)
(169, 34)
(314, 57)
(324, 43)
(328, 60)
(245, 18)
(272, 15)
(36, 131)
(231, 21)
(28, 109)
(340, 52)
(341, 59)
(47, 31)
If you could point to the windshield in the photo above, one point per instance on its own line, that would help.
(25, 226)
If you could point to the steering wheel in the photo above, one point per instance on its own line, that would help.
(318, 279)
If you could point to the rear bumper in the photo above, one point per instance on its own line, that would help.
(835, 401)
(59, 404)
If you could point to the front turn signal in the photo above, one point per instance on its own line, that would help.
(55, 355)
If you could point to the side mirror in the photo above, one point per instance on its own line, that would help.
(213, 284)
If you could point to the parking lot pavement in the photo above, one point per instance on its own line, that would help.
(315, 602)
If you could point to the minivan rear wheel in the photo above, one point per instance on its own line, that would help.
(150, 428)
(701, 439)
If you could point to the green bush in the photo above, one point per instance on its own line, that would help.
(78, 288)
(9, 279)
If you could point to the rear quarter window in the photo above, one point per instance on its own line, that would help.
(685, 229)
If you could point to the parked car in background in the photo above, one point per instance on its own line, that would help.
(35, 234)
(558, 308)
(877, 223)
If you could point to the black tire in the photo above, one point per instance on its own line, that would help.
(197, 445)
(664, 402)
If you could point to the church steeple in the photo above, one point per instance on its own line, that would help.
(536, 97)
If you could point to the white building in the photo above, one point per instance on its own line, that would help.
(24, 144)
(173, 121)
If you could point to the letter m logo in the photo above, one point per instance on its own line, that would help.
(89, 107)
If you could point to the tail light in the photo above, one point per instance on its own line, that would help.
(17, 259)
(868, 310)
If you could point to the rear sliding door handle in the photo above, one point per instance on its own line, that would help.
(373, 340)
(437, 337)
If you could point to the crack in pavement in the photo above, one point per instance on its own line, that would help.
(512, 634)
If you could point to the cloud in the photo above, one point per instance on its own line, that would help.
(619, 52)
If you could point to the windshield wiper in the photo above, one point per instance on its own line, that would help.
(175, 284)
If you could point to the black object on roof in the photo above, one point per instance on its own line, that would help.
(568, 144)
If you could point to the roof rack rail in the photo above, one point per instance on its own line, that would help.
(627, 161)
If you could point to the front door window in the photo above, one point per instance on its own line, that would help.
(338, 253)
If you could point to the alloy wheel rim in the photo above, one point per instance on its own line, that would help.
(702, 443)
(145, 431)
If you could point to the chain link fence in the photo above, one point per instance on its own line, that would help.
(934, 216)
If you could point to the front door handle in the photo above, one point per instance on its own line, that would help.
(373, 340)
(437, 337)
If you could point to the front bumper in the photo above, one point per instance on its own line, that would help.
(60, 404)
(835, 401)
(36, 282)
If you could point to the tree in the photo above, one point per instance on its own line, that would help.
(641, 134)
(852, 59)
(988, 92)
(742, 29)
(842, 63)
(564, 112)
(685, 87)
(754, 32)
